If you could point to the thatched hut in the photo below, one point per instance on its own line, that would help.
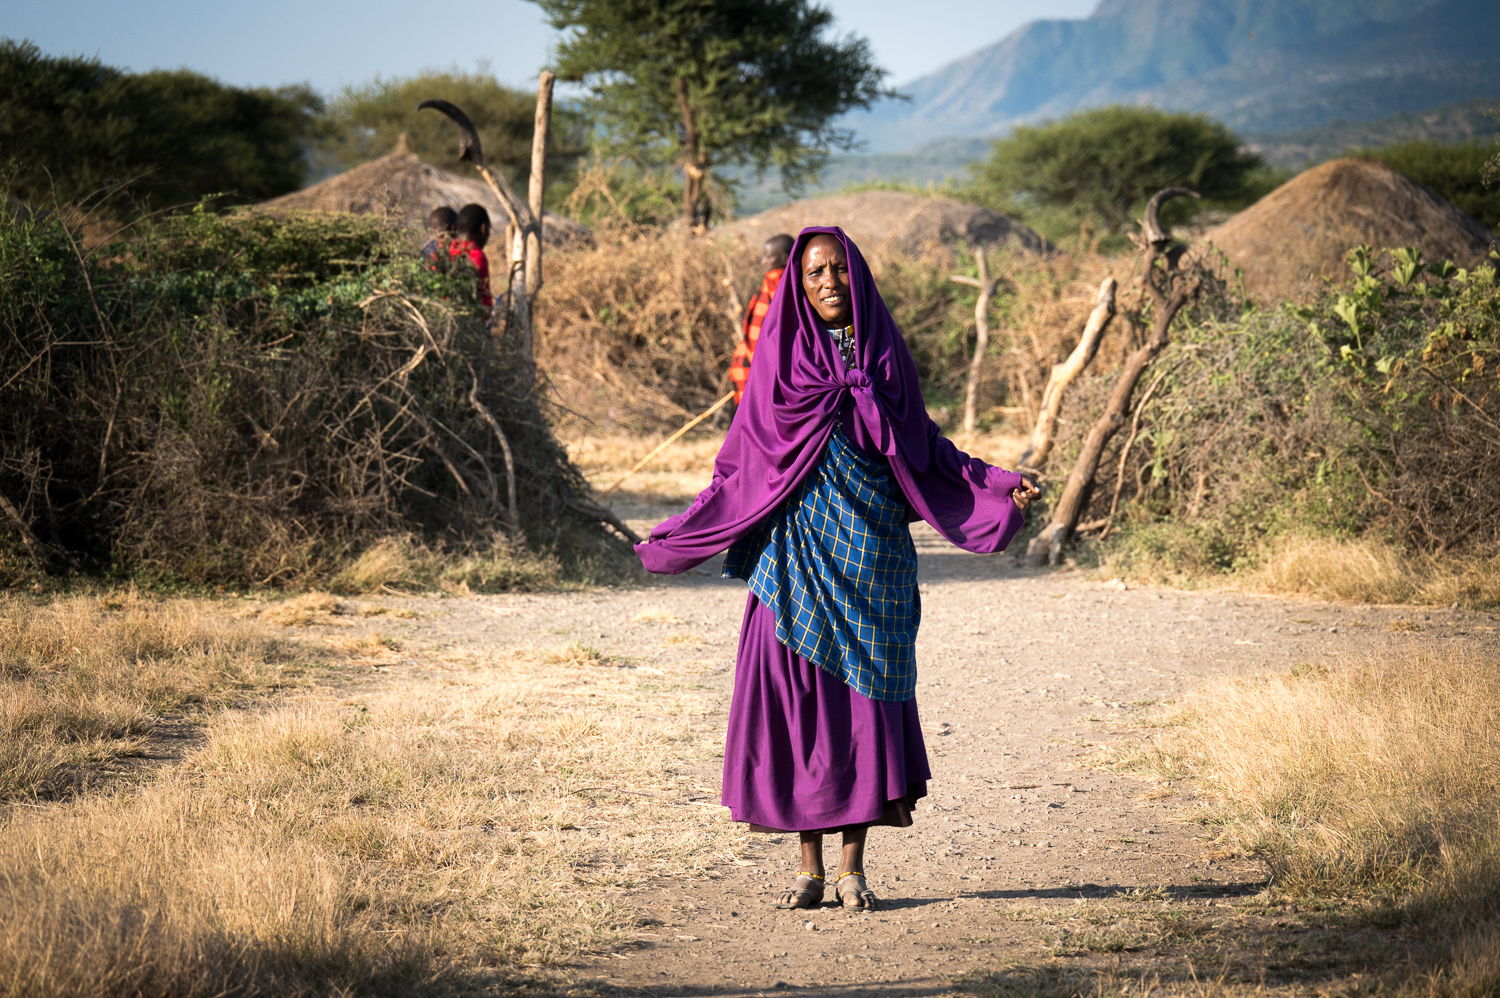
(1301, 231)
(401, 185)
(885, 222)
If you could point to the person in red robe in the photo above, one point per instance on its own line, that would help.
(473, 232)
(773, 257)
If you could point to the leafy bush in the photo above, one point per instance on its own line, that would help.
(71, 127)
(252, 400)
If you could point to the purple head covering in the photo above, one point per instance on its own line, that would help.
(798, 389)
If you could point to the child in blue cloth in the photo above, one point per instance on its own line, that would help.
(442, 222)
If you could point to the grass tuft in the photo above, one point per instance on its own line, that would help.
(1372, 780)
(84, 681)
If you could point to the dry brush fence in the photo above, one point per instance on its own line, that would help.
(249, 401)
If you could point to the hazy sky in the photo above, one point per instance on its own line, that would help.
(329, 43)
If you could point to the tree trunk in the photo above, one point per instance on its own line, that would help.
(1047, 546)
(1064, 374)
(694, 163)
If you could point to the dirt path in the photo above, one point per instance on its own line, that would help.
(1019, 842)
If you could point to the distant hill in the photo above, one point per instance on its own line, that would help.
(932, 163)
(1257, 65)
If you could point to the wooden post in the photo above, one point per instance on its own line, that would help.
(536, 191)
(538, 185)
(986, 286)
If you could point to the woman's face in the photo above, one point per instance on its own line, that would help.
(825, 278)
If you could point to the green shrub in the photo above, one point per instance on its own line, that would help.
(1455, 170)
(1370, 412)
(71, 128)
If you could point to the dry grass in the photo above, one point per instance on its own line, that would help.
(1373, 780)
(1360, 570)
(675, 475)
(404, 564)
(1373, 776)
(83, 681)
(436, 832)
(1371, 571)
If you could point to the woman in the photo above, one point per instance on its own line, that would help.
(828, 459)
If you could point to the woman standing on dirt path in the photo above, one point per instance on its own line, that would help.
(830, 458)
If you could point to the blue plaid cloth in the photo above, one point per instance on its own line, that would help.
(837, 566)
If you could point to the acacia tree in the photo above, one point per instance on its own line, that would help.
(1100, 165)
(716, 83)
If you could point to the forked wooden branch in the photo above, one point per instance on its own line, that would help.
(1064, 374)
(524, 223)
(1169, 298)
(537, 190)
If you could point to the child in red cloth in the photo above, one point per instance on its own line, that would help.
(473, 232)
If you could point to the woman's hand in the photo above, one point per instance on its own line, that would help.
(1023, 495)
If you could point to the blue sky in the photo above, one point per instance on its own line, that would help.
(329, 43)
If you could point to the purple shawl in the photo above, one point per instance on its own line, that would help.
(798, 389)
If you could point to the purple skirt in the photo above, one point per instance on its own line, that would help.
(805, 753)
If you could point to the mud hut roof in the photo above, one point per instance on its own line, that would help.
(401, 185)
(1302, 230)
(882, 222)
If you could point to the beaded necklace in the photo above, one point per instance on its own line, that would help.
(844, 340)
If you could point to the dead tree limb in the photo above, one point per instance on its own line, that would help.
(513, 518)
(602, 514)
(1170, 290)
(39, 553)
(986, 285)
(1064, 374)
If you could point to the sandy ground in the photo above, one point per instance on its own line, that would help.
(1022, 678)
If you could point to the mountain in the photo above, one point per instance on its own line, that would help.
(1257, 65)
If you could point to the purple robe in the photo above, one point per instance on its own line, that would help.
(798, 388)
